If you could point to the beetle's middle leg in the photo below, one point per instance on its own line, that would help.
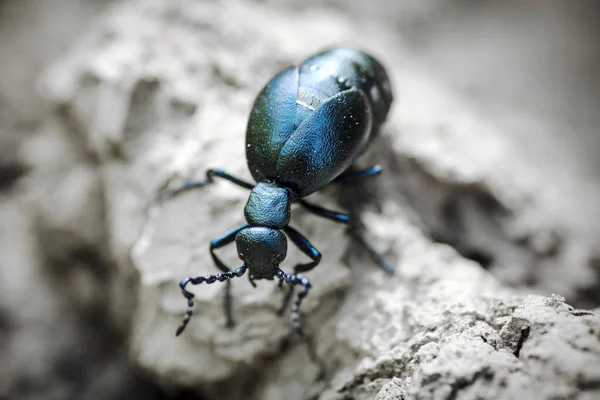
(217, 243)
(345, 219)
(165, 193)
(307, 248)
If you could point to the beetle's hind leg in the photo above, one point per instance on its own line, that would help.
(352, 175)
(166, 193)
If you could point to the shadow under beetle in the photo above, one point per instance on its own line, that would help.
(306, 128)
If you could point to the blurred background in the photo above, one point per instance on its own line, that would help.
(529, 67)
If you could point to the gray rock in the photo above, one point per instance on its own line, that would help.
(162, 88)
(56, 341)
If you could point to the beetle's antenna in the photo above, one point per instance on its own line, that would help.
(196, 280)
(294, 280)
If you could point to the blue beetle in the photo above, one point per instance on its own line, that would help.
(306, 128)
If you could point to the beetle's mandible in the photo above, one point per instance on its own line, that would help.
(306, 128)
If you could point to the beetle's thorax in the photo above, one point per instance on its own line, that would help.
(263, 246)
(268, 205)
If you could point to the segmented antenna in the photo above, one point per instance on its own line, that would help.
(196, 280)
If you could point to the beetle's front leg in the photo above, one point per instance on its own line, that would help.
(217, 243)
(166, 193)
(304, 245)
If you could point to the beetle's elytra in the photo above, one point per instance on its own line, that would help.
(310, 122)
(305, 130)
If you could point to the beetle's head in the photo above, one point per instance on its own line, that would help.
(261, 249)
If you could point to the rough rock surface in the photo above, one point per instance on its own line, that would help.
(162, 87)
(55, 342)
